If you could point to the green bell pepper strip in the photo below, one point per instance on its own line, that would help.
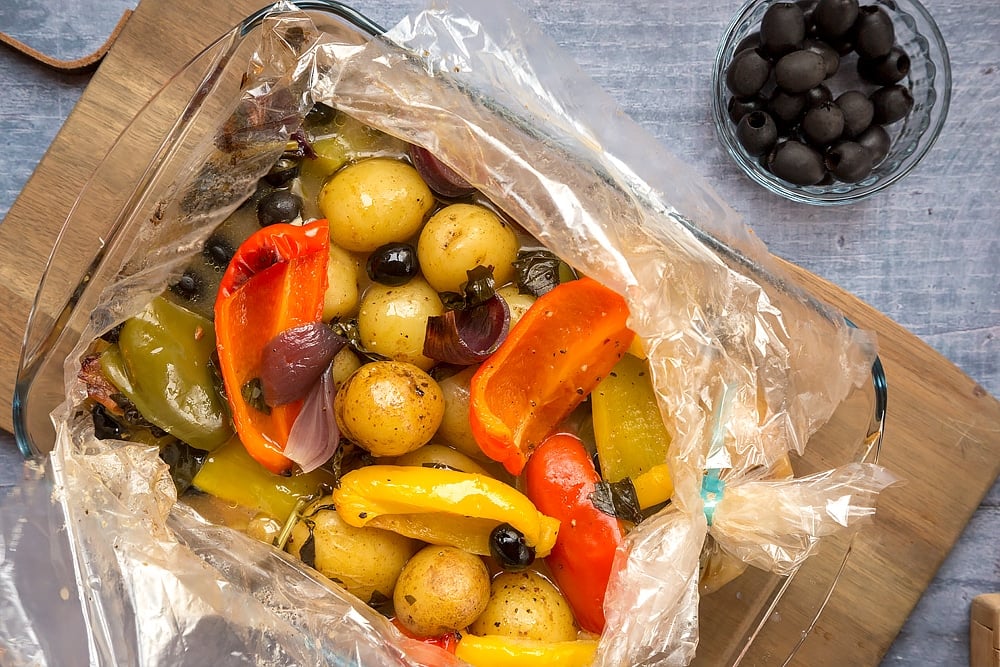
(161, 364)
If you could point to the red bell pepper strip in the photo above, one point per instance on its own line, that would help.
(275, 281)
(569, 339)
(560, 478)
(447, 642)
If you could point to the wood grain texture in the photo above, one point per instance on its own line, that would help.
(925, 253)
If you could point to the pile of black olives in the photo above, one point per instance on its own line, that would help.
(782, 103)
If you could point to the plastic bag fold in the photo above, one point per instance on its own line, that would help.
(745, 364)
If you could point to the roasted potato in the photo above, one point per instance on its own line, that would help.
(389, 407)
(525, 605)
(362, 560)
(441, 589)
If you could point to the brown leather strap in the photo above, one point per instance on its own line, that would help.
(84, 64)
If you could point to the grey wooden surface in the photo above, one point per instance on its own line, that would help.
(926, 252)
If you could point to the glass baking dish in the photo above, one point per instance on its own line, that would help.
(745, 621)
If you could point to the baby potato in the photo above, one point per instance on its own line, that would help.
(363, 560)
(455, 429)
(442, 455)
(344, 363)
(525, 605)
(389, 407)
(461, 237)
(392, 321)
(517, 303)
(441, 589)
(341, 296)
(373, 202)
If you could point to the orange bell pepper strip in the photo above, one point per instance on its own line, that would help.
(275, 281)
(560, 479)
(569, 339)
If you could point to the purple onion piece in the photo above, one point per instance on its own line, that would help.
(468, 336)
(439, 177)
(314, 436)
(294, 360)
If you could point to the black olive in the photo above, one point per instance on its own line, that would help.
(282, 173)
(393, 264)
(858, 112)
(831, 58)
(849, 161)
(105, 426)
(782, 29)
(278, 206)
(799, 71)
(757, 132)
(785, 108)
(218, 251)
(748, 73)
(509, 549)
(818, 95)
(891, 103)
(874, 34)
(888, 69)
(739, 107)
(751, 41)
(188, 286)
(797, 163)
(843, 45)
(808, 7)
(877, 141)
(834, 18)
(823, 124)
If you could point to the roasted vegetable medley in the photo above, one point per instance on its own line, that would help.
(389, 380)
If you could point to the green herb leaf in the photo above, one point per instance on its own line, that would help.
(349, 329)
(480, 287)
(307, 552)
(381, 603)
(538, 271)
(252, 392)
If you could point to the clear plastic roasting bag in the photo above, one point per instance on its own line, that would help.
(746, 364)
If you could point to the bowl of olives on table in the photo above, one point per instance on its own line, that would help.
(830, 101)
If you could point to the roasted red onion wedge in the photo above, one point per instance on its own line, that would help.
(439, 177)
(468, 336)
(314, 436)
(294, 360)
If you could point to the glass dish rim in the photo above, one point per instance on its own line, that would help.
(357, 20)
(924, 142)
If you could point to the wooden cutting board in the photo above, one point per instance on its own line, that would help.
(943, 431)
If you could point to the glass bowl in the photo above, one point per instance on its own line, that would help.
(928, 80)
(135, 183)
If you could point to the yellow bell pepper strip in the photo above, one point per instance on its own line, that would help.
(441, 506)
(560, 479)
(628, 425)
(500, 651)
(275, 281)
(231, 474)
(654, 486)
(566, 342)
(161, 364)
